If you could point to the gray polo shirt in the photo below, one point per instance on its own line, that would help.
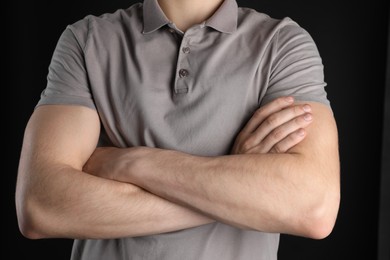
(156, 86)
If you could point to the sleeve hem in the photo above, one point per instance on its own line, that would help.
(304, 98)
(67, 101)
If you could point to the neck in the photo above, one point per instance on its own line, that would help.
(186, 13)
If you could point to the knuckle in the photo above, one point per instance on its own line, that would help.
(259, 113)
(297, 110)
(247, 145)
(277, 134)
(278, 149)
(292, 138)
(272, 120)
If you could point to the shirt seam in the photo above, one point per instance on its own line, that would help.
(88, 35)
(275, 51)
(277, 40)
(82, 46)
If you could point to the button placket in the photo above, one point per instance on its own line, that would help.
(183, 73)
(186, 50)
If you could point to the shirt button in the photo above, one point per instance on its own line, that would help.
(171, 30)
(183, 73)
(186, 50)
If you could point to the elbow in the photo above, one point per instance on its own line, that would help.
(319, 227)
(28, 230)
(321, 219)
(27, 219)
(320, 208)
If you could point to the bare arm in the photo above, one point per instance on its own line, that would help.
(295, 192)
(54, 198)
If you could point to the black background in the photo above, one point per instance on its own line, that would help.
(352, 40)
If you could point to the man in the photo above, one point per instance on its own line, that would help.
(203, 153)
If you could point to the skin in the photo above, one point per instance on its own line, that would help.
(68, 188)
(296, 192)
(185, 13)
(55, 198)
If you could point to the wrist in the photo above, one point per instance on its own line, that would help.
(139, 163)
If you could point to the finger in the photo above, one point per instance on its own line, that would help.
(274, 121)
(281, 132)
(262, 113)
(289, 142)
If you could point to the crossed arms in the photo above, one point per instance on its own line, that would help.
(279, 178)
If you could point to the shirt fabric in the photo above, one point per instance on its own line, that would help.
(153, 85)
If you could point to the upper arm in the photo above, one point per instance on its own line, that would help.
(60, 134)
(320, 145)
(297, 70)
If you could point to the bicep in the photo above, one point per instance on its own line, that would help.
(60, 134)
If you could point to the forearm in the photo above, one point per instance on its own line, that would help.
(247, 191)
(73, 204)
(295, 192)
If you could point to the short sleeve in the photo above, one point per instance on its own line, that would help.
(296, 68)
(67, 80)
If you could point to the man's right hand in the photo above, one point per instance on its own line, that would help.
(274, 128)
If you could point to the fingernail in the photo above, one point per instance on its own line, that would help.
(308, 117)
(301, 132)
(306, 108)
(289, 99)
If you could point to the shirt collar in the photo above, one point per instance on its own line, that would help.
(223, 20)
(154, 17)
